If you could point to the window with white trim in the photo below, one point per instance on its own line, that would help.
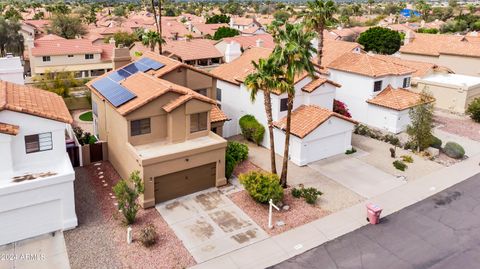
(38, 142)
(406, 82)
(377, 86)
(46, 58)
(88, 56)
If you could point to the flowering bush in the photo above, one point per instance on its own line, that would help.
(340, 108)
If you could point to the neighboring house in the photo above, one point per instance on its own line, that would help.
(233, 47)
(80, 56)
(242, 24)
(36, 176)
(311, 96)
(252, 31)
(204, 29)
(461, 54)
(375, 90)
(200, 53)
(157, 115)
(11, 69)
(452, 92)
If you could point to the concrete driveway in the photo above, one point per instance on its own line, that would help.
(209, 224)
(41, 252)
(361, 177)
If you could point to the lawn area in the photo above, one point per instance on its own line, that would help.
(87, 116)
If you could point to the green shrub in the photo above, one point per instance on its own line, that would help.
(365, 131)
(400, 165)
(311, 195)
(252, 130)
(127, 194)
(392, 139)
(297, 193)
(262, 186)
(454, 150)
(237, 150)
(436, 142)
(410, 145)
(473, 110)
(350, 151)
(407, 158)
(230, 164)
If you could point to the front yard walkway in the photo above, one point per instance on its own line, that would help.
(209, 224)
(87, 126)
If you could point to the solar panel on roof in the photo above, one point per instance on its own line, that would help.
(151, 63)
(119, 75)
(113, 92)
(136, 67)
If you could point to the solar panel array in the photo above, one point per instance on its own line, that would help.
(110, 87)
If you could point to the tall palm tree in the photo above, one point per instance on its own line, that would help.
(319, 14)
(293, 52)
(267, 77)
(151, 39)
(160, 24)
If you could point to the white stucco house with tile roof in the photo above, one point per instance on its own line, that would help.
(36, 175)
(375, 89)
(316, 95)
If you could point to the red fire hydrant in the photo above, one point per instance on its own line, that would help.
(373, 213)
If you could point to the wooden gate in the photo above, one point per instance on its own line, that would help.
(96, 152)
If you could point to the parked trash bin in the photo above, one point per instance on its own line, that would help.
(373, 213)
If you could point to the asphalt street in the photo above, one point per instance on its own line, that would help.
(442, 231)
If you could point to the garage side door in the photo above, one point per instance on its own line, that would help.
(184, 182)
(326, 147)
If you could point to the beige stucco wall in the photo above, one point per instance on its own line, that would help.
(458, 64)
(449, 97)
(65, 63)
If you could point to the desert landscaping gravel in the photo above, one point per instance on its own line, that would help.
(101, 216)
(459, 125)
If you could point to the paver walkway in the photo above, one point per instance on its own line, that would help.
(439, 232)
(362, 178)
(210, 224)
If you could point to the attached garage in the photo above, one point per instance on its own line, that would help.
(317, 133)
(184, 182)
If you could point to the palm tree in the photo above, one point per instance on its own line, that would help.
(151, 39)
(318, 15)
(293, 53)
(160, 24)
(267, 77)
(157, 24)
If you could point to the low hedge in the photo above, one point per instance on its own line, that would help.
(454, 150)
(400, 165)
(252, 130)
(436, 142)
(262, 186)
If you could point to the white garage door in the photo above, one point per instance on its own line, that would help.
(29, 221)
(326, 147)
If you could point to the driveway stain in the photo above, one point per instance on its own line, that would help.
(245, 236)
(176, 204)
(447, 199)
(201, 229)
(227, 221)
(209, 200)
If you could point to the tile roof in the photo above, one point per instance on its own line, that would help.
(194, 49)
(247, 42)
(251, 30)
(306, 118)
(422, 68)
(397, 99)
(64, 47)
(217, 115)
(242, 21)
(368, 65)
(315, 83)
(332, 49)
(434, 45)
(208, 29)
(33, 101)
(9, 129)
(50, 37)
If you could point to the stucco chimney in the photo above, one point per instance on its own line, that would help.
(259, 43)
(120, 57)
(409, 37)
(422, 23)
(232, 51)
(111, 41)
(474, 33)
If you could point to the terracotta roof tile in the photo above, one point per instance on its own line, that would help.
(306, 118)
(208, 29)
(65, 46)
(247, 42)
(368, 65)
(194, 49)
(398, 99)
(9, 129)
(434, 45)
(33, 101)
(422, 68)
(314, 84)
(217, 115)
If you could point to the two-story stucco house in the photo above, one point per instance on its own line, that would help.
(36, 176)
(157, 115)
(375, 89)
(80, 56)
(310, 141)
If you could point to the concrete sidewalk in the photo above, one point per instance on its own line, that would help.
(286, 245)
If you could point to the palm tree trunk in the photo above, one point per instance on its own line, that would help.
(283, 177)
(160, 26)
(320, 45)
(155, 15)
(268, 110)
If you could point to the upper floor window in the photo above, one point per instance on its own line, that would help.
(88, 56)
(198, 122)
(406, 82)
(70, 56)
(202, 92)
(38, 142)
(283, 104)
(46, 58)
(219, 94)
(140, 127)
(377, 86)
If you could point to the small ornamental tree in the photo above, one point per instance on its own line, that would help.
(473, 110)
(340, 108)
(421, 125)
(218, 18)
(380, 40)
(127, 193)
(225, 32)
